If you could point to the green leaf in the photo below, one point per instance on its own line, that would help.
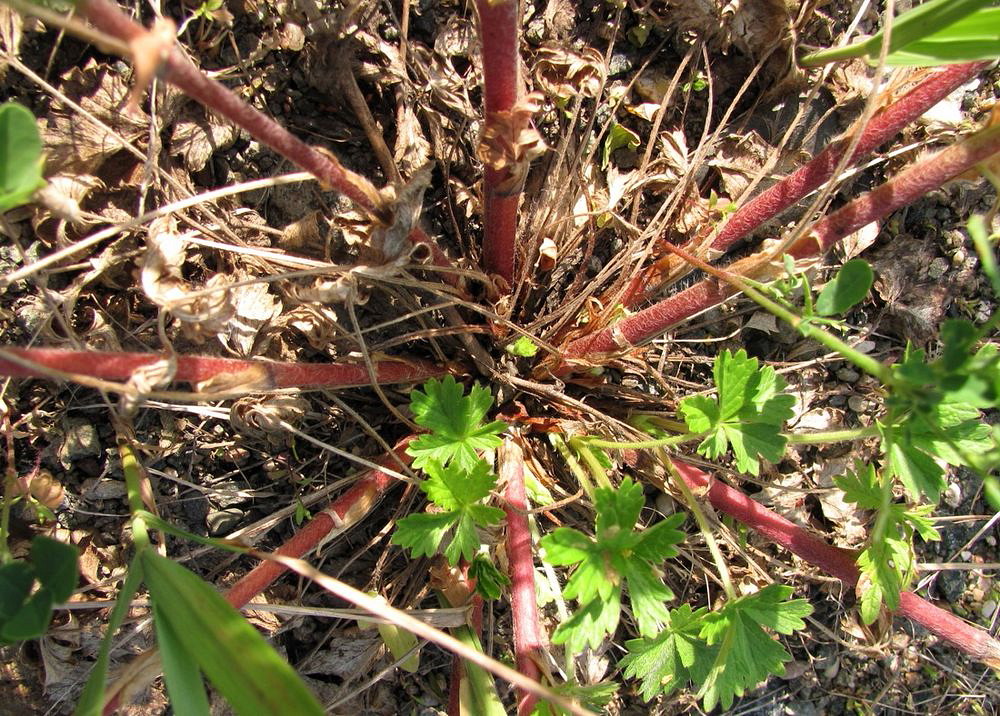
(748, 414)
(618, 136)
(400, 642)
(673, 658)
(701, 413)
(882, 565)
(974, 37)
(617, 556)
(849, 287)
(747, 654)
(422, 534)
(20, 156)
(490, 581)
(656, 543)
(231, 653)
(861, 486)
(591, 696)
(588, 625)
(917, 470)
(91, 701)
(647, 593)
(181, 673)
(55, 566)
(455, 422)
(31, 620)
(452, 488)
(16, 579)
(458, 492)
(523, 347)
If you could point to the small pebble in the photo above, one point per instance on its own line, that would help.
(848, 375)
(953, 495)
(857, 403)
(989, 606)
(937, 268)
(837, 400)
(620, 64)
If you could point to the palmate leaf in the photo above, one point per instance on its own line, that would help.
(748, 414)
(617, 556)
(747, 654)
(861, 486)
(458, 493)
(455, 422)
(676, 656)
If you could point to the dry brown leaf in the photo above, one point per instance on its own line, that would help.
(412, 149)
(565, 73)
(752, 26)
(510, 142)
(254, 308)
(196, 137)
(60, 199)
(457, 38)
(302, 233)
(11, 25)
(73, 144)
(262, 417)
(739, 159)
(317, 323)
(202, 312)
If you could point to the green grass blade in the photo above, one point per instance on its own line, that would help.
(924, 20)
(237, 660)
(182, 675)
(92, 700)
(934, 18)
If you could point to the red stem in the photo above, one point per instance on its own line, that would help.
(912, 183)
(906, 187)
(342, 514)
(973, 640)
(499, 23)
(250, 375)
(528, 642)
(882, 127)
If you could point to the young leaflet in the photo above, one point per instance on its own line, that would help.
(618, 556)
(458, 480)
(748, 413)
(724, 652)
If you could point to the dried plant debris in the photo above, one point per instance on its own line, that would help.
(73, 142)
(197, 135)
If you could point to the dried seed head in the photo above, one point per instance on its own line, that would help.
(510, 142)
